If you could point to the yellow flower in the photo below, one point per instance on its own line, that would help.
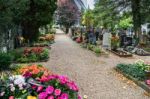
(31, 97)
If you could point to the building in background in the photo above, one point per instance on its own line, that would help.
(81, 4)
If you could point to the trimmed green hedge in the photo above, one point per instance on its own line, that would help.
(5, 60)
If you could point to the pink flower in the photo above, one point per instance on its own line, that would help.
(57, 92)
(34, 87)
(59, 98)
(49, 89)
(50, 97)
(148, 82)
(72, 86)
(39, 88)
(11, 97)
(42, 95)
(63, 79)
(79, 97)
(51, 77)
(64, 96)
(44, 79)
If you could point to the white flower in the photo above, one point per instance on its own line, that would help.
(12, 89)
(18, 79)
(2, 93)
(20, 86)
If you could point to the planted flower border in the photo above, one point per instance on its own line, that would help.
(95, 49)
(37, 82)
(139, 79)
(31, 54)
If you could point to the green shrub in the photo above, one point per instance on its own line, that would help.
(44, 55)
(23, 60)
(33, 57)
(90, 47)
(5, 60)
(17, 53)
(97, 50)
(132, 70)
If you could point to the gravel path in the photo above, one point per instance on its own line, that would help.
(94, 75)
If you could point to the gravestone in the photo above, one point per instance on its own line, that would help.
(106, 43)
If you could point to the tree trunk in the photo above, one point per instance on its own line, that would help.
(67, 30)
(30, 32)
(136, 18)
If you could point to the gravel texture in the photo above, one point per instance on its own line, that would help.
(94, 75)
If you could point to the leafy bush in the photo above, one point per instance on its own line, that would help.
(44, 55)
(90, 47)
(33, 57)
(97, 50)
(22, 60)
(133, 70)
(5, 60)
(31, 54)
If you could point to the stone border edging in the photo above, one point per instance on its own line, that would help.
(139, 83)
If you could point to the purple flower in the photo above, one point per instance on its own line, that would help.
(42, 95)
(57, 92)
(64, 96)
(49, 89)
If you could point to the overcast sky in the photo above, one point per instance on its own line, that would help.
(91, 3)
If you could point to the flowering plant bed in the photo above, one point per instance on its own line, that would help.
(136, 72)
(47, 37)
(33, 54)
(41, 44)
(37, 82)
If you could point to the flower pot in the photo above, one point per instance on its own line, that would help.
(147, 74)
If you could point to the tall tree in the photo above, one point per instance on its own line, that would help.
(68, 13)
(39, 13)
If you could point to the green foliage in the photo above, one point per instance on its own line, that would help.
(30, 14)
(19, 56)
(90, 47)
(88, 18)
(44, 55)
(105, 13)
(97, 50)
(133, 70)
(23, 60)
(125, 23)
(5, 60)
